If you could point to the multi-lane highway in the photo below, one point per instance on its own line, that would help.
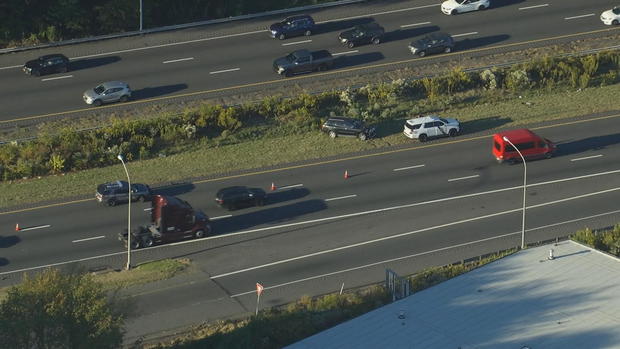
(241, 54)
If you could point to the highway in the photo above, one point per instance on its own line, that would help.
(395, 206)
(240, 54)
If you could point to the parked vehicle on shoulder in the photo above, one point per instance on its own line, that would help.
(337, 126)
(172, 219)
(303, 61)
(48, 64)
(432, 43)
(362, 34)
(431, 126)
(236, 197)
(113, 193)
(108, 92)
(293, 26)
(531, 146)
(454, 7)
(611, 17)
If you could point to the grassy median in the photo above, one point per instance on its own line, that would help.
(480, 110)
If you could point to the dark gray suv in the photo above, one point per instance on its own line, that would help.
(347, 126)
(113, 193)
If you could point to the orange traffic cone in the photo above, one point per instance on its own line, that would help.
(273, 186)
(346, 174)
(17, 228)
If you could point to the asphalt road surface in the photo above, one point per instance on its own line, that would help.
(241, 53)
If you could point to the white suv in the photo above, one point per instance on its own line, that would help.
(431, 126)
(611, 17)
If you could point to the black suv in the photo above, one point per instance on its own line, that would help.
(433, 43)
(362, 34)
(113, 193)
(347, 126)
(239, 196)
(49, 64)
(293, 26)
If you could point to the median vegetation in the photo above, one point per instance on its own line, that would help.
(607, 240)
(277, 130)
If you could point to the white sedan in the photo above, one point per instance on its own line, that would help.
(611, 17)
(453, 7)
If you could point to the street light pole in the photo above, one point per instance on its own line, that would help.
(524, 188)
(120, 157)
(140, 15)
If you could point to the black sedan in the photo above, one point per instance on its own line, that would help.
(433, 43)
(48, 64)
(240, 196)
(362, 34)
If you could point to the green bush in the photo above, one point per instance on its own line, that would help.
(608, 240)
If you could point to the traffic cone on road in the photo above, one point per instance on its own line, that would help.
(17, 228)
(273, 186)
(346, 174)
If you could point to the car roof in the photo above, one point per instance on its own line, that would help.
(232, 189)
(109, 84)
(297, 17)
(517, 136)
(422, 119)
(53, 55)
(438, 35)
(343, 118)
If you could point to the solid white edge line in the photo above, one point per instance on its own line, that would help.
(297, 42)
(224, 71)
(368, 242)
(342, 197)
(37, 227)
(421, 254)
(587, 157)
(344, 53)
(57, 78)
(460, 178)
(292, 186)
(408, 167)
(580, 16)
(414, 24)
(88, 239)
(178, 60)
(464, 34)
(531, 7)
(220, 217)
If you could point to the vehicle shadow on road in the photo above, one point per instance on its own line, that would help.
(341, 25)
(3, 262)
(88, 63)
(468, 44)
(8, 241)
(150, 92)
(587, 144)
(504, 3)
(273, 215)
(360, 59)
(403, 34)
(280, 196)
(174, 189)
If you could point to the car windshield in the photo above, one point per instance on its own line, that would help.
(99, 89)
(444, 120)
(616, 10)
(291, 57)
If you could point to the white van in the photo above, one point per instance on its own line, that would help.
(431, 126)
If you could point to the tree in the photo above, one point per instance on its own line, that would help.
(56, 310)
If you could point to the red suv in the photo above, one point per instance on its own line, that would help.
(531, 145)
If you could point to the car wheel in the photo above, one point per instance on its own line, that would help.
(111, 202)
(135, 243)
(124, 99)
(333, 134)
(549, 155)
(287, 74)
(614, 22)
(447, 49)
(351, 44)
(97, 102)
(147, 241)
(452, 132)
(422, 137)
(199, 234)
(141, 198)
(308, 33)
(63, 70)
(481, 7)
(421, 53)
(281, 36)
(376, 41)
(454, 12)
(362, 136)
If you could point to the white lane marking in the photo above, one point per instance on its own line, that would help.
(414, 24)
(179, 60)
(396, 236)
(37, 227)
(148, 209)
(224, 71)
(380, 13)
(297, 42)
(57, 78)
(341, 197)
(587, 157)
(344, 53)
(581, 16)
(292, 186)
(531, 7)
(464, 34)
(88, 239)
(220, 217)
(408, 168)
(461, 178)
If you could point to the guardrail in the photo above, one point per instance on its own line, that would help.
(180, 26)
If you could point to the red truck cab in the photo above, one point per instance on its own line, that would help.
(531, 145)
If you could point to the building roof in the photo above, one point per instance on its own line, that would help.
(521, 301)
